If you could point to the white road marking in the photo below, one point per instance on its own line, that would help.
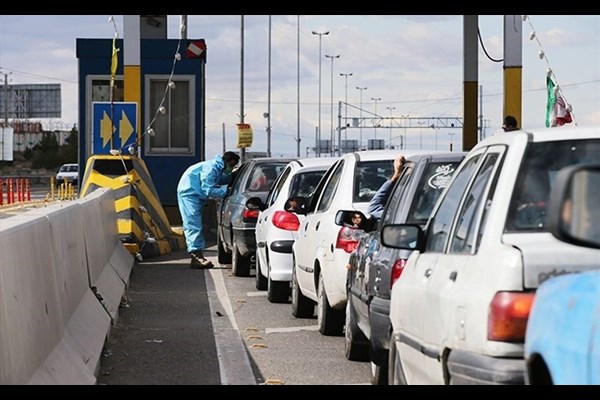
(292, 329)
(234, 365)
(256, 294)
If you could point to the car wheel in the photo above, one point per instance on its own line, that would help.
(379, 374)
(240, 264)
(355, 342)
(395, 372)
(329, 320)
(261, 281)
(222, 255)
(278, 291)
(302, 306)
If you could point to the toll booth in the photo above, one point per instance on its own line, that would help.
(175, 113)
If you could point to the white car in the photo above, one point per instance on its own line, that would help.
(68, 172)
(322, 249)
(276, 228)
(459, 310)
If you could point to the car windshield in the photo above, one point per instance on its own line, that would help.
(368, 178)
(68, 168)
(542, 161)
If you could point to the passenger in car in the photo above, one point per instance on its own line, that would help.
(377, 203)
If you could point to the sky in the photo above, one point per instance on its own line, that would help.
(413, 65)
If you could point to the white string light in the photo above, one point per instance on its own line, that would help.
(161, 108)
(549, 72)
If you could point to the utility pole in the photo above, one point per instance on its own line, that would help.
(391, 109)
(6, 100)
(242, 149)
(224, 144)
(346, 107)
(361, 117)
(332, 57)
(298, 86)
(320, 34)
(269, 98)
(376, 99)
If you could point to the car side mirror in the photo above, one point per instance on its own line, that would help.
(573, 210)
(402, 236)
(354, 219)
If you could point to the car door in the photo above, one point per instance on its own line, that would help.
(450, 282)
(225, 211)
(416, 355)
(264, 217)
(306, 243)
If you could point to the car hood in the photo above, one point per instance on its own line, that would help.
(544, 256)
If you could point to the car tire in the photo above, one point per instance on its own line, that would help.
(222, 255)
(260, 279)
(355, 342)
(240, 265)
(330, 321)
(395, 371)
(379, 374)
(379, 364)
(302, 306)
(277, 291)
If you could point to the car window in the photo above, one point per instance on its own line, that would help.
(304, 184)
(276, 189)
(392, 209)
(432, 183)
(321, 186)
(464, 234)
(330, 188)
(541, 162)
(262, 177)
(236, 183)
(368, 178)
(440, 224)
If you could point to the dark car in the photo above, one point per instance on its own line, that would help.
(236, 224)
(374, 268)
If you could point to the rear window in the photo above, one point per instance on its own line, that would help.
(542, 161)
(368, 178)
(433, 181)
(305, 183)
(263, 176)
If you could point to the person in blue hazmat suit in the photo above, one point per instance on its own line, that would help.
(201, 181)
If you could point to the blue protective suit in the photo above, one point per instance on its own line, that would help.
(197, 184)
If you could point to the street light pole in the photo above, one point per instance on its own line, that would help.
(375, 99)
(332, 57)
(269, 97)
(320, 34)
(346, 107)
(391, 109)
(361, 117)
(451, 134)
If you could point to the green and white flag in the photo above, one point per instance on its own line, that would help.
(557, 113)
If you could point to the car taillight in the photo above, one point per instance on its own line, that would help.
(285, 220)
(347, 239)
(397, 269)
(508, 315)
(249, 215)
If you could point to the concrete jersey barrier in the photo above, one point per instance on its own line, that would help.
(56, 263)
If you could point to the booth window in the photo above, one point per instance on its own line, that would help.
(173, 131)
